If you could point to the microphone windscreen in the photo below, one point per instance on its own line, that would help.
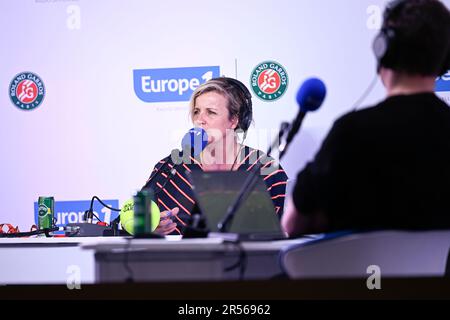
(311, 94)
(196, 140)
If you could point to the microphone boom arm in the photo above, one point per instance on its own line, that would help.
(249, 184)
(292, 132)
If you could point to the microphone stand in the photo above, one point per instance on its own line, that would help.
(250, 183)
(160, 170)
(292, 132)
(196, 228)
(115, 223)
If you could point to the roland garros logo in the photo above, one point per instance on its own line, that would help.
(26, 91)
(269, 80)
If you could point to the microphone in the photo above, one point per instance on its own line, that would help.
(195, 141)
(310, 96)
(192, 144)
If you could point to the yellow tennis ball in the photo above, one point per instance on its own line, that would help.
(127, 216)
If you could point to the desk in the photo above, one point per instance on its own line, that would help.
(102, 259)
(44, 260)
(211, 259)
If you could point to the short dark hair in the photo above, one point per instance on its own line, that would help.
(422, 37)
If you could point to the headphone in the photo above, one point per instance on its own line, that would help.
(385, 43)
(245, 110)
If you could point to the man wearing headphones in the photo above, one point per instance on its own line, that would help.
(388, 166)
(222, 107)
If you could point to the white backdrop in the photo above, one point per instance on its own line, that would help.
(92, 135)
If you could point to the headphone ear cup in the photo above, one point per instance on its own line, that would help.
(243, 119)
(246, 114)
(246, 117)
(384, 48)
(379, 46)
(384, 43)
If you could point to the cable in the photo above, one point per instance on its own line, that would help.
(88, 214)
(235, 159)
(46, 231)
(366, 93)
(242, 260)
(240, 150)
(162, 168)
(130, 277)
(170, 173)
(104, 204)
(97, 217)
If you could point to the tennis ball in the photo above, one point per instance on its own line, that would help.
(127, 216)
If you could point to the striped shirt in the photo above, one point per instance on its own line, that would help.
(173, 189)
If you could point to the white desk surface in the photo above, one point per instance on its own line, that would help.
(49, 260)
(52, 240)
(169, 242)
(195, 244)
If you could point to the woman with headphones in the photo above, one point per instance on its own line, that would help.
(223, 108)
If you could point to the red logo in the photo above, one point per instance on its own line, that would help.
(27, 91)
(269, 81)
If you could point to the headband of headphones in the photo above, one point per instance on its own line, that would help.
(245, 111)
(385, 43)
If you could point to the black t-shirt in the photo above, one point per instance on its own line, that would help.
(385, 167)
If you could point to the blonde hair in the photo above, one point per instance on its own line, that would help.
(235, 97)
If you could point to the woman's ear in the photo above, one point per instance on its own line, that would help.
(234, 122)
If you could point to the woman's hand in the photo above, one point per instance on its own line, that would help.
(166, 224)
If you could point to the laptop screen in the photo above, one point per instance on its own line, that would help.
(215, 191)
